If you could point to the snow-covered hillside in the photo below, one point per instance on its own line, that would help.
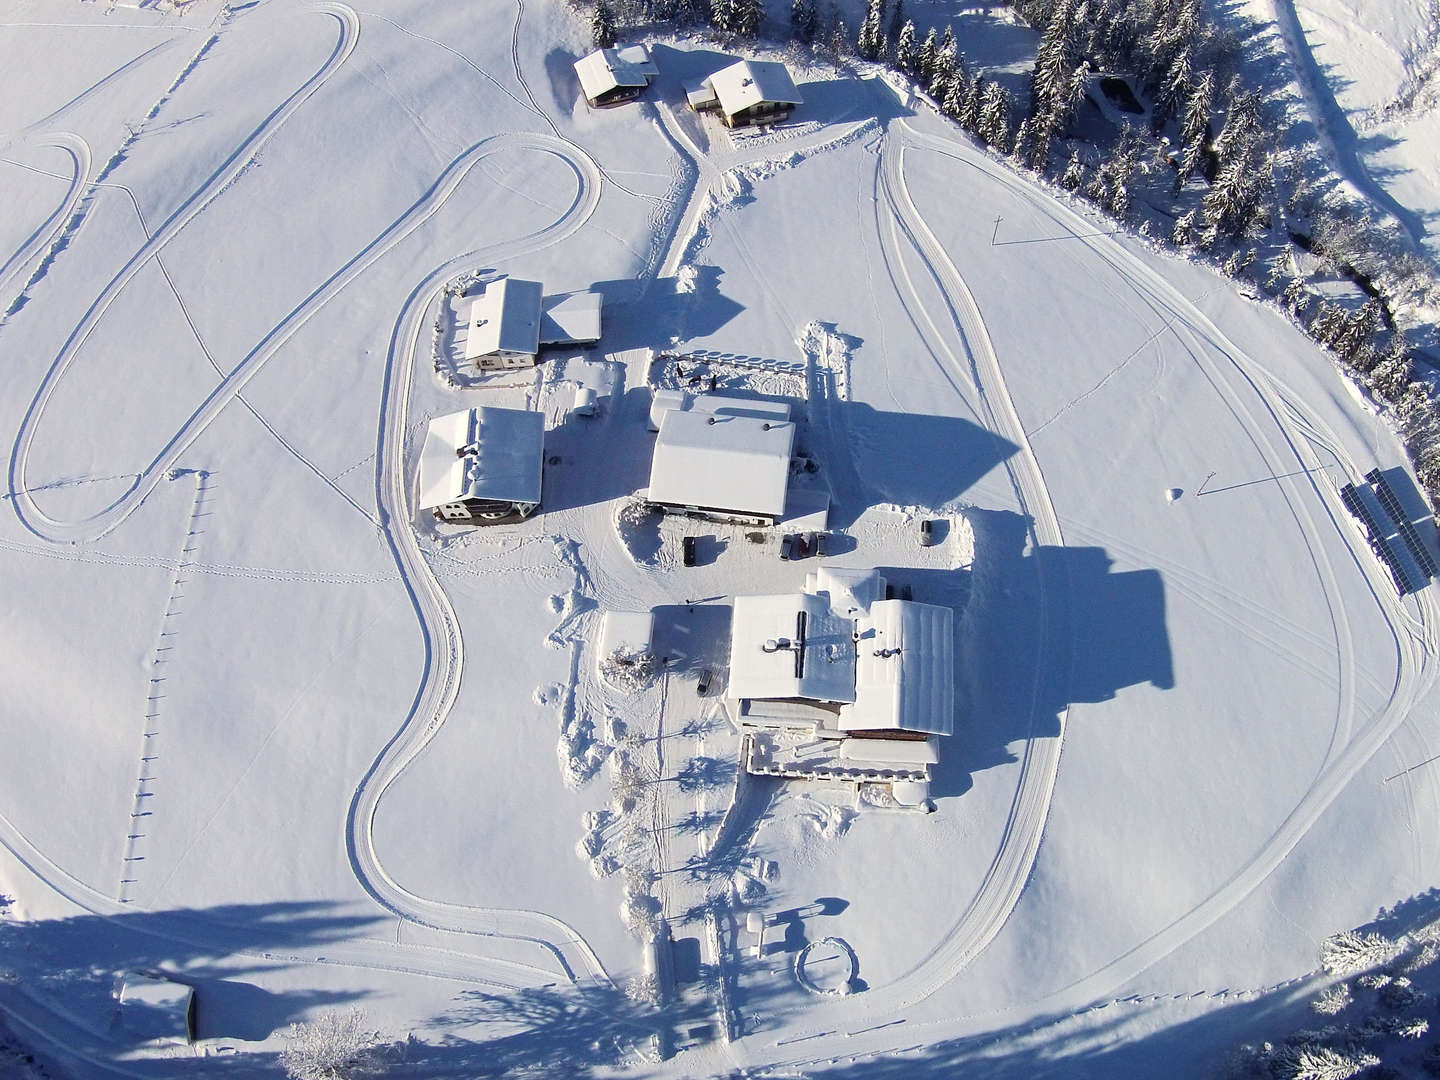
(272, 732)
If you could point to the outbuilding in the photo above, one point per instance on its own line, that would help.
(727, 459)
(614, 76)
(483, 466)
(157, 1008)
(748, 92)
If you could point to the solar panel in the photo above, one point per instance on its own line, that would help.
(1351, 499)
(1386, 494)
(1417, 547)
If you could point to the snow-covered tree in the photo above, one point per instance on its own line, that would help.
(1186, 226)
(1333, 1000)
(1348, 950)
(974, 101)
(1236, 201)
(1359, 329)
(337, 1046)
(804, 20)
(1195, 125)
(745, 17)
(994, 123)
(870, 42)
(602, 25)
(1073, 178)
(907, 53)
(957, 92)
(929, 53)
(1320, 1063)
(897, 21)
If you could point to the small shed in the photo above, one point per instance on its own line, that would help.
(748, 92)
(157, 1008)
(614, 76)
(571, 318)
(483, 465)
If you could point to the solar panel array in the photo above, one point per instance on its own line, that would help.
(1397, 513)
(1400, 568)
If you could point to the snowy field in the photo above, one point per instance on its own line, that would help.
(271, 731)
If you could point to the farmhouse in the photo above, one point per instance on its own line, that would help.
(483, 465)
(512, 320)
(748, 92)
(722, 458)
(613, 76)
(838, 682)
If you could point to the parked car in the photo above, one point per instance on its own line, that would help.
(927, 532)
(787, 545)
(804, 545)
(703, 686)
(687, 550)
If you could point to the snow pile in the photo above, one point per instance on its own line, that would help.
(638, 528)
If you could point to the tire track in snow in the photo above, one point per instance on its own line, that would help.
(440, 628)
(102, 522)
(1412, 622)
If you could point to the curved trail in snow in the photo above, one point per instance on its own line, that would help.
(106, 519)
(41, 238)
(1414, 629)
(444, 646)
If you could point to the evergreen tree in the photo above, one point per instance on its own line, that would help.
(1195, 125)
(804, 20)
(602, 25)
(995, 117)
(1358, 330)
(722, 15)
(1057, 82)
(1074, 176)
(897, 21)
(1235, 202)
(929, 54)
(1390, 375)
(839, 40)
(974, 99)
(1296, 296)
(745, 16)
(870, 42)
(907, 54)
(957, 91)
(1185, 227)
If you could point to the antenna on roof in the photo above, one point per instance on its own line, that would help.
(800, 645)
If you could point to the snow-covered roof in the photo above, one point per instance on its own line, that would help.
(570, 318)
(904, 669)
(774, 655)
(155, 1007)
(504, 318)
(607, 69)
(724, 405)
(735, 463)
(851, 589)
(749, 82)
(483, 453)
(628, 632)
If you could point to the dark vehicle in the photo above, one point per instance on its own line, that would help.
(804, 545)
(822, 544)
(787, 545)
(927, 532)
(687, 549)
(703, 686)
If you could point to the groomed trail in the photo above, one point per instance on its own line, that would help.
(1290, 438)
(79, 151)
(440, 629)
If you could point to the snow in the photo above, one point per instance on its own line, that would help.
(504, 318)
(749, 82)
(272, 730)
(904, 673)
(482, 453)
(728, 463)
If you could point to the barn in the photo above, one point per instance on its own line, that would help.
(512, 320)
(722, 458)
(482, 466)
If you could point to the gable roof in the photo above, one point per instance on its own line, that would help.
(770, 659)
(504, 318)
(483, 453)
(608, 69)
(904, 669)
(749, 82)
(722, 462)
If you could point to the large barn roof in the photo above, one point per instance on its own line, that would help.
(904, 669)
(739, 464)
(483, 453)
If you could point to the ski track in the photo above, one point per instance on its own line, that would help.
(30, 514)
(42, 237)
(1412, 624)
(440, 628)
